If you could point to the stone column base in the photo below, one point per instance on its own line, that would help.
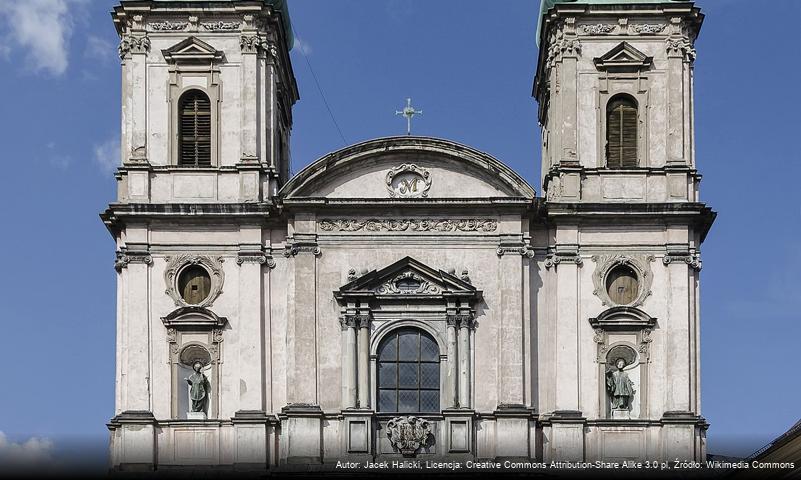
(133, 441)
(252, 429)
(564, 431)
(301, 434)
(357, 434)
(458, 432)
(513, 432)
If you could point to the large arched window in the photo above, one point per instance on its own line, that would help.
(621, 132)
(408, 372)
(194, 129)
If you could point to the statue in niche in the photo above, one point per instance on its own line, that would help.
(198, 388)
(620, 387)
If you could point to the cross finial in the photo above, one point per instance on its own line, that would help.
(408, 112)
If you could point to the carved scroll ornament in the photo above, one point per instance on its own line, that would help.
(408, 434)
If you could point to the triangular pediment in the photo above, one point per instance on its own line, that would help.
(623, 57)
(407, 277)
(191, 50)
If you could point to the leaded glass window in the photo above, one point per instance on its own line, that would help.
(408, 372)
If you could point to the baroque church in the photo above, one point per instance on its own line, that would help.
(405, 297)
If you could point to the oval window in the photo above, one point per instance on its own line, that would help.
(622, 285)
(194, 284)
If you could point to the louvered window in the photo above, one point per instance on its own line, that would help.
(408, 372)
(195, 129)
(621, 133)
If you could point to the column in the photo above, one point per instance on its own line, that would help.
(510, 366)
(364, 361)
(250, 45)
(451, 380)
(348, 324)
(677, 48)
(249, 328)
(464, 361)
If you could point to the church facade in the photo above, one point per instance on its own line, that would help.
(405, 297)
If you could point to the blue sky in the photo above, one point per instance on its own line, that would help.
(469, 66)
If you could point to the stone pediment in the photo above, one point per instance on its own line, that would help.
(406, 169)
(192, 50)
(623, 57)
(408, 278)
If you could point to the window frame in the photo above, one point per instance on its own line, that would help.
(395, 334)
(621, 98)
(195, 139)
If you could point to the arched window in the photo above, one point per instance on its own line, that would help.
(194, 129)
(408, 372)
(621, 132)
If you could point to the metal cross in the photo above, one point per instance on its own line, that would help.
(408, 112)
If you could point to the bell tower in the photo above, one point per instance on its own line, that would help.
(620, 293)
(207, 96)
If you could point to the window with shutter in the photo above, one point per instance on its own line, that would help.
(621, 133)
(194, 129)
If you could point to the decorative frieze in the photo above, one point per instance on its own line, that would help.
(125, 257)
(648, 28)
(168, 26)
(409, 224)
(598, 29)
(133, 44)
(220, 26)
(293, 249)
(408, 434)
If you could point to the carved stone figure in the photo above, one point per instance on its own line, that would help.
(407, 434)
(198, 388)
(620, 387)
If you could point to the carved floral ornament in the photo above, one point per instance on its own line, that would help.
(680, 47)
(408, 434)
(408, 283)
(408, 181)
(176, 264)
(409, 224)
(133, 44)
(641, 264)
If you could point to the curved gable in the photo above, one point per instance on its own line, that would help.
(445, 169)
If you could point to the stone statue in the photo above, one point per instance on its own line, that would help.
(198, 388)
(620, 387)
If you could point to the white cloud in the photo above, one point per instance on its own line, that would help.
(302, 46)
(99, 49)
(34, 451)
(41, 29)
(107, 155)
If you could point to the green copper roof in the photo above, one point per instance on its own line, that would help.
(546, 5)
(279, 6)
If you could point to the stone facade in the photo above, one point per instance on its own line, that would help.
(307, 278)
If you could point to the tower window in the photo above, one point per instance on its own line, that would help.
(408, 372)
(194, 284)
(621, 133)
(194, 129)
(622, 285)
